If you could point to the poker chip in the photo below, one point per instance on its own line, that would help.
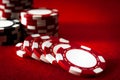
(79, 59)
(41, 20)
(10, 9)
(9, 32)
(19, 50)
(74, 58)
(16, 3)
(37, 48)
(29, 46)
(48, 46)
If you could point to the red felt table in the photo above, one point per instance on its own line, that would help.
(94, 23)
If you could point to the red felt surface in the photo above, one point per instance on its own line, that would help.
(94, 23)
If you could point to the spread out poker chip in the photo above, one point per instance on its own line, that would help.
(9, 32)
(41, 20)
(79, 59)
(27, 44)
(48, 46)
(30, 46)
(37, 48)
(19, 50)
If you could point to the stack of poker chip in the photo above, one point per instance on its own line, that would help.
(10, 9)
(74, 58)
(10, 32)
(41, 20)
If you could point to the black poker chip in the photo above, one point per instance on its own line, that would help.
(10, 32)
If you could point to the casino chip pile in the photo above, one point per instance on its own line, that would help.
(11, 31)
(31, 21)
(10, 9)
(73, 58)
(39, 27)
(41, 20)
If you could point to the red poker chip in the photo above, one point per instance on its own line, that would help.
(39, 17)
(39, 21)
(48, 46)
(19, 50)
(79, 59)
(33, 27)
(6, 6)
(40, 30)
(40, 13)
(42, 20)
(30, 32)
(50, 29)
(27, 44)
(16, 2)
(7, 13)
(37, 48)
(13, 7)
(26, 22)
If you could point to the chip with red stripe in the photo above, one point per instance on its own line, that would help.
(48, 46)
(79, 59)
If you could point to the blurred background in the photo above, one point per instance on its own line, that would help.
(86, 19)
